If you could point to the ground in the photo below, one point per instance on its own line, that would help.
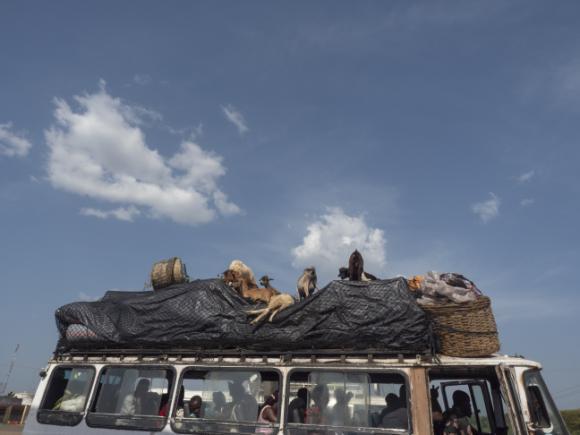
(10, 429)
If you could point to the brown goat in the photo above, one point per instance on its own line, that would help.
(234, 279)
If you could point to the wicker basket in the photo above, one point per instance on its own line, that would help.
(168, 272)
(467, 329)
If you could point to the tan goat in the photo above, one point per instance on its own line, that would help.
(245, 272)
(277, 303)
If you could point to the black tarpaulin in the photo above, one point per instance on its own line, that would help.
(207, 314)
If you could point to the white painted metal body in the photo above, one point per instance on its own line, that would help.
(406, 366)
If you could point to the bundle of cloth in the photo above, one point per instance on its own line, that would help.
(434, 288)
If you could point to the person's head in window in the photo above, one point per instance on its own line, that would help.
(142, 388)
(271, 400)
(461, 403)
(218, 399)
(392, 401)
(195, 406)
(320, 396)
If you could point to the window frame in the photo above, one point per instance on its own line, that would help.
(354, 370)
(222, 368)
(66, 414)
(171, 391)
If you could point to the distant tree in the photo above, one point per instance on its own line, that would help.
(572, 419)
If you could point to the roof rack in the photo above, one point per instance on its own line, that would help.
(249, 353)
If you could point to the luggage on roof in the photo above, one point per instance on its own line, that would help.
(207, 314)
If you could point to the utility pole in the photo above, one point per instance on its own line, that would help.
(4, 385)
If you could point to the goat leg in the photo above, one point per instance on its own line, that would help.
(254, 312)
(265, 312)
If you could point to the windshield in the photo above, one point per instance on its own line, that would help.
(543, 412)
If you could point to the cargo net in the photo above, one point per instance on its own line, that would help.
(208, 314)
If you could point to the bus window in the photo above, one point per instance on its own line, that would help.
(545, 417)
(330, 402)
(66, 396)
(223, 401)
(131, 397)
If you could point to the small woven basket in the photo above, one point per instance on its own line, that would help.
(465, 329)
(168, 272)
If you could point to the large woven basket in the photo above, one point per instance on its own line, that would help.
(465, 329)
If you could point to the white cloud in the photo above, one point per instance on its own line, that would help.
(142, 79)
(100, 151)
(235, 117)
(331, 239)
(13, 144)
(126, 214)
(487, 210)
(526, 176)
(526, 202)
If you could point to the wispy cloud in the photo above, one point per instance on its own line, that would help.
(142, 79)
(12, 143)
(526, 177)
(235, 117)
(83, 297)
(331, 238)
(557, 82)
(526, 202)
(126, 214)
(99, 151)
(191, 133)
(487, 210)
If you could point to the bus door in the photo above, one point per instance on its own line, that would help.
(480, 399)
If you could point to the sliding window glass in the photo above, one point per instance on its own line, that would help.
(131, 397)
(336, 402)
(66, 396)
(227, 400)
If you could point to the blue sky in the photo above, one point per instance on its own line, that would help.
(432, 136)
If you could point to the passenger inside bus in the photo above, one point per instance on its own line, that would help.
(339, 415)
(267, 415)
(395, 414)
(195, 406)
(141, 401)
(73, 399)
(218, 406)
(457, 417)
(315, 414)
(297, 406)
(243, 406)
